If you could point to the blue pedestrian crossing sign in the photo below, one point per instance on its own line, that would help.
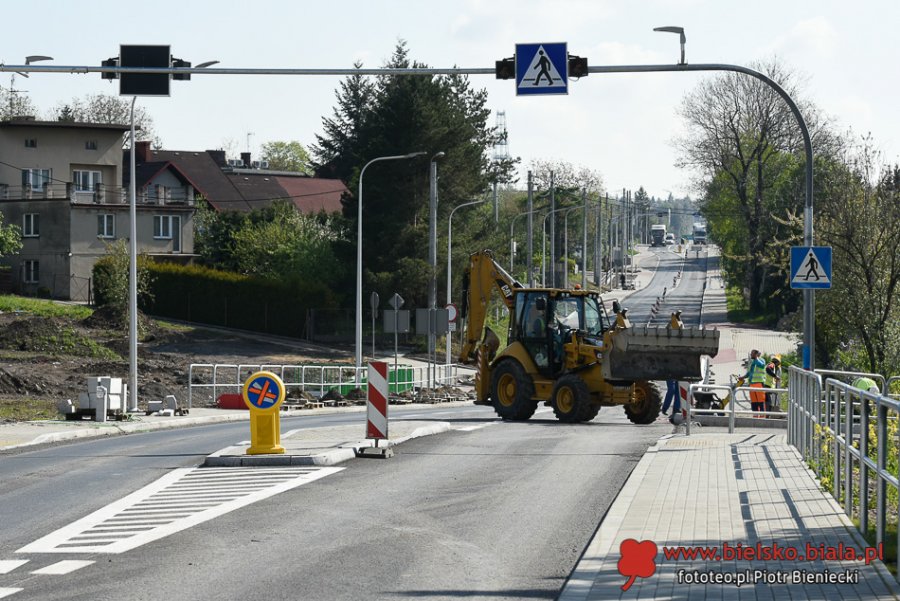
(810, 267)
(542, 69)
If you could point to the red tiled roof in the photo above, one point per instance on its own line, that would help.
(247, 189)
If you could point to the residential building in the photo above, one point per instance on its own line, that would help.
(61, 182)
(240, 184)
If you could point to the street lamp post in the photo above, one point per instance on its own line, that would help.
(432, 262)
(450, 256)
(359, 255)
(566, 241)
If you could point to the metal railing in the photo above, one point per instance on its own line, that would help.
(99, 194)
(316, 380)
(732, 409)
(834, 419)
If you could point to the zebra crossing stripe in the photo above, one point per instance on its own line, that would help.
(377, 405)
(8, 565)
(6, 592)
(63, 567)
(180, 499)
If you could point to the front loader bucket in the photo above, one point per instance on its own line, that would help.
(655, 353)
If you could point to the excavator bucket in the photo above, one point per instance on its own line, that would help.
(657, 353)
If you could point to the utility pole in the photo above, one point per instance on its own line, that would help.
(584, 241)
(552, 231)
(530, 258)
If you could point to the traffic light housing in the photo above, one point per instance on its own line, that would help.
(110, 62)
(578, 66)
(506, 68)
(181, 64)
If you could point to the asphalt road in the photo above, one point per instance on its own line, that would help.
(686, 296)
(501, 511)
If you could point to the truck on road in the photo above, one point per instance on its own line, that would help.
(657, 235)
(699, 233)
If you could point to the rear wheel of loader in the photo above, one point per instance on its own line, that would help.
(646, 405)
(512, 391)
(572, 400)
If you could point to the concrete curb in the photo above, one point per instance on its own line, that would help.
(580, 582)
(234, 456)
(122, 428)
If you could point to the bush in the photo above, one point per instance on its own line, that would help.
(203, 295)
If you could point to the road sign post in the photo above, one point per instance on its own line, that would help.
(263, 393)
(373, 302)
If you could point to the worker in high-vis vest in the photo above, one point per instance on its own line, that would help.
(756, 378)
(867, 384)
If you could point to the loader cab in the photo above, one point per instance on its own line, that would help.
(543, 318)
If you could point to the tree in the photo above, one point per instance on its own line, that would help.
(396, 115)
(287, 245)
(287, 156)
(111, 279)
(565, 175)
(741, 139)
(337, 149)
(15, 103)
(10, 238)
(858, 215)
(102, 108)
(276, 242)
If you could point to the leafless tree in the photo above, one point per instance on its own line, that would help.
(739, 131)
(102, 108)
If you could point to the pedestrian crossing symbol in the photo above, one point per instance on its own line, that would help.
(810, 267)
(542, 69)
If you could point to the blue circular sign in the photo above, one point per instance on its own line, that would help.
(263, 391)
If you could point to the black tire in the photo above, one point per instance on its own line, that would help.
(571, 400)
(646, 405)
(512, 391)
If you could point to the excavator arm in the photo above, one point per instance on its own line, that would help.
(481, 277)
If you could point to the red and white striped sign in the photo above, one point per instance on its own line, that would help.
(377, 405)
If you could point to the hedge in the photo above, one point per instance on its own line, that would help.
(209, 296)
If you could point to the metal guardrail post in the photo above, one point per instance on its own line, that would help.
(732, 406)
(881, 487)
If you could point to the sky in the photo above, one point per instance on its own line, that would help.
(620, 125)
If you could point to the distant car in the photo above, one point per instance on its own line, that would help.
(670, 238)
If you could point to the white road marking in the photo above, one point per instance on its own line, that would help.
(180, 499)
(6, 592)
(476, 427)
(8, 565)
(64, 567)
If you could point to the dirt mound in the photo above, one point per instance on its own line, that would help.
(114, 318)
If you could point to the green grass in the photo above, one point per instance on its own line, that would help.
(26, 409)
(890, 543)
(739, 311)
(43, 308)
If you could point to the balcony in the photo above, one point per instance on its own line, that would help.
(101, 194)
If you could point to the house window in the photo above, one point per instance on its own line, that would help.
(162, 226)
(31, 272)
(106, 226)
(31, 225)
(36, 178)
(90, 145)
(30, 143)
(86, 181)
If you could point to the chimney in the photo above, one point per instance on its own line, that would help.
(218, 156)
(142, 152)
(245, 157)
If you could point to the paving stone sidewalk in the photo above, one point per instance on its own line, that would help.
(746, 488)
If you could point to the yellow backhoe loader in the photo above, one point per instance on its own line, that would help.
(564, 350)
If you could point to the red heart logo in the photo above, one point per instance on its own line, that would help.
(637, 560)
